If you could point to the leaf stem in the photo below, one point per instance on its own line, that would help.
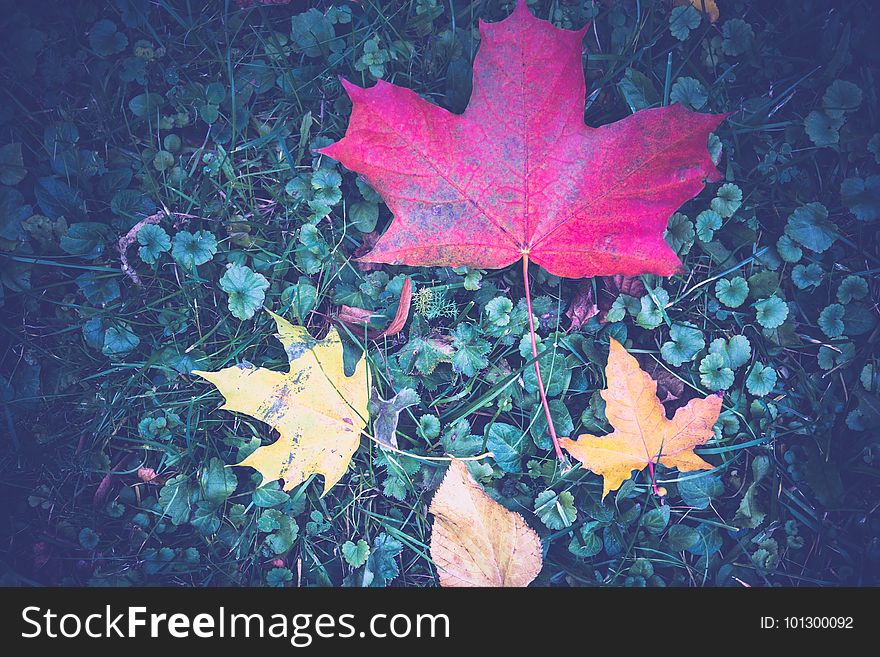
(429, 459)
(550, 427)
(653, 479)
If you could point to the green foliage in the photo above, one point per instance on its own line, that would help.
(556, 511)
(105, 40)
(737, 37)
(154, 241)
(862, 197)
(193, 249)
(831, 320)
(771, 312)
(689, 92)
(761, 380)
(810, 227)
(727, 200)
(356, 554)
(682, 20)
(850, 288)
(715, 374)
(708, 221)
(732, 292)
(246, 290)
(684, 345)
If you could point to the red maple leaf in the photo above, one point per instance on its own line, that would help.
(519, 173)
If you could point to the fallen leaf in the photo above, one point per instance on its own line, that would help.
(582, 307)
(519, 173)
(709, 7)
(356, 318)
(642, 434)
(477, 542)
(614, 286)
(669, 387)
(369, 242)
(386, 414)
(148, 475)
(318, 411)
(630, 285)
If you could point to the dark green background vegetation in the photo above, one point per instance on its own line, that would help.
(207, 114)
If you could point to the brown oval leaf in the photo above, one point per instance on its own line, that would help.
(476, 541)
(355, 318)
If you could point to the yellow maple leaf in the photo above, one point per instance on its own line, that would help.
(709, 7)
(318, 411)
(477, 542)
(642, 434)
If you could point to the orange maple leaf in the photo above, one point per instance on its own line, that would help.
(642, 436)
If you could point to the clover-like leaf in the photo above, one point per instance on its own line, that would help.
(470, 350)
(862, 197)
(831, 320)
(685, 342)
(682, 20)
(680, 233)
(99, 290)
(809, 226)
(119, 340)
(761, 379)
(246, 290)
(732, 292)
(708, 221)
(737, 37)
(788, 250)
(727, 200)
(652, 304)
(771, 312)
(840, 97)
(154, 241)
(556, 511)
(506, 442)
(714, 372)
(193, 249)
(852, 287)
(736, 351)
(356, 554)
(699, 491)
(829, 357)
(690, 92)
(807, 276)
(498, 310)
(822, 129)
(105, 40)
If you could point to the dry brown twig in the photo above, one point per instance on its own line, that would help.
(131, 236)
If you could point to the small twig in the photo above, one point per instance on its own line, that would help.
(104, 487)
(131, 236)
(128, 239)
(419, 457)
